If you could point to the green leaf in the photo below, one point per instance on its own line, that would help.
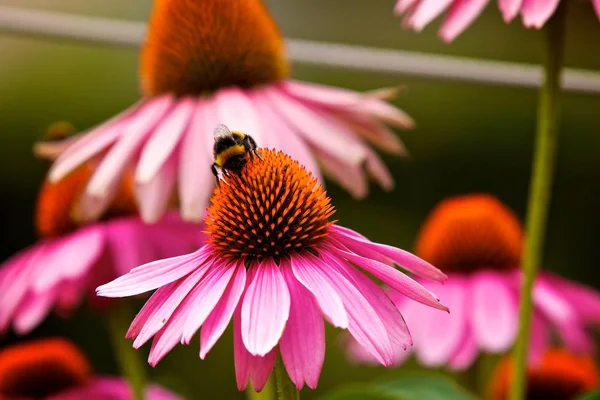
(591, 396)
(410, 385)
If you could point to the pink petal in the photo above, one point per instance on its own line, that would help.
(597, 7)
(33, 310)
(195, 178)
(535, 13)
(466, 353)
(426, 12)
(235, 110)
(112, 388)
(392, 277)
(218, 320)
(325, 293)
(162, 305)
(461, 15)
(168, 337)
(363, 322)
(375, 132)
(164, 140)
(403, 5)
(90, 207)
(509, 9)
(265, 308)
(248, 367)
(320, 130)
(205, 297)
(133, 135)
(129, 244)
(154, 195)
(378, 171)
(539, 340)
(302, 344)
(584, 299)
(384, 111)
(363, 246)
(441, 335)
(350, 177)
(154, 275)
(90, 144)
(329, 96)
(495, 311)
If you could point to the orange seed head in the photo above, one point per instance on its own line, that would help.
(560, 376)
(40, 369)
(199, 46)
(470, 232)
(271, 208)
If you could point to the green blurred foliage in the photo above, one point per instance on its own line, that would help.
(469, 138)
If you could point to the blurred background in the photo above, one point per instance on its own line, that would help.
(469, 138)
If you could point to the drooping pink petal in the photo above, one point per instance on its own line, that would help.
(113, 388)
(403, 5)
(394, 278)
(302, 344)
(195, 177)
(375, 132)
(350, 177)
(379, 171)
(33, 309)
(313, 125)
(584, 299)
(152, 305)
(461, 15)
(494, 311)
(129, 244)
(154, 195)
(164, 140)
(539, 340)
(206, 296)
(509, 9)
(466, 353)
(426, 11)
(265, 308)
(363, 322)
(171, 298)
(219, 318)
(154, 275)
(330, 96)
(235, 110)
(361, 245)
(535, 13)
(441, 335)
(249, 368)
(597, 7)
(170, 335)
(90, 144)
(325, 293)
(384, 111)
(134, 133)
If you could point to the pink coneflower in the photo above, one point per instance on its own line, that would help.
(54, 369)
(477, 241)
(560, 375)
(211, 62)
(461, 13)
(70, 260)
(277, 264)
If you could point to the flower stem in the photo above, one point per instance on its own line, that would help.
(131, 365)
(266, 394)
(540, 189)
(286, 390)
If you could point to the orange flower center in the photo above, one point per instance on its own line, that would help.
(199, 46)
(560, 376)
(40, 369)
(56, 211)
(271, 208)
(471, 232)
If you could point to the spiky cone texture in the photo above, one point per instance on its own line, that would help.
(209, 62)
(560, 375)
(54, 369)
(462, 13)
(275, 263)
(71, 258)
(477, 241)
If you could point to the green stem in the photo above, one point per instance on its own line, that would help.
(540, 189)
(286, 390)
(131, 365)
(268, 392)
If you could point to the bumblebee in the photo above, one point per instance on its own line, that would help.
(230, 151)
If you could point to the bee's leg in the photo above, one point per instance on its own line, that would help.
(213, 168)
(255, 151)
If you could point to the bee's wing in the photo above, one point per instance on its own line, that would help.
(221, 131)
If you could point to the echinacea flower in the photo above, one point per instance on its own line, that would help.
(461, 13)
(477, 241)
(70, 260)
(222, 62)
(54, 369)
(560, 375)
(277, 264)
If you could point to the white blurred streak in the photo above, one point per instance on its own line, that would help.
(131, 34)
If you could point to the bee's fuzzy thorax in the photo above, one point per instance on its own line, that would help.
(271, 208)
(470, 232)
(40, 369)
(560, 375)
(199, 46)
